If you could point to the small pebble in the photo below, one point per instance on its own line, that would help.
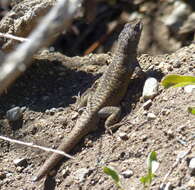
(170, 133)
(162, 65)
(51, 49)
(20, 162)
(144, 137)
(19, 169)
(147, 104)
(177, 64)
(181, 141)
(51, 111)
(89, 143)
(168, 186)
(151, 116)
(2, 175)
(15, 113)
(150, 88)
(145, 112)
(65, 172)
(169, 68)
(165, 112)
(81, 174)
(9, 174)
(192, 165)
(123, 136)
(18, 177)
(191, 183)
(127, 173)
(189, 88)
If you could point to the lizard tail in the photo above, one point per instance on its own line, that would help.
(83, 126)
(51, 162)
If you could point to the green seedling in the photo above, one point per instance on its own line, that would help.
(191, 110)
(152, 166)
(114, 175)
(177, 81)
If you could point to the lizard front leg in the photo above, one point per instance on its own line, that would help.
(81, 101)
(112, 115)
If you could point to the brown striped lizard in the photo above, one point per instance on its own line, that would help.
(103, 102)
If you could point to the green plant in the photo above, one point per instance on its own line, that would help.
(114, 175)
(179, 81)
(191, 110)
(152, 166)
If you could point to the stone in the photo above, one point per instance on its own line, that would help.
(81, 174)
(2, 175)
(147, 104)
(127, 173)
(192, 165)
(150, 88)
(151, 116)
(15, 113)
(20, 162)
(123, 136)
(191, 183)
(189, 88)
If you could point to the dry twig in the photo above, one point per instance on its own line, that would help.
(36, 146)
(58, 19)
(10, 36)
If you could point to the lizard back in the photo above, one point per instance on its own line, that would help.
(114, 82)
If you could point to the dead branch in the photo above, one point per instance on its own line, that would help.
(36, 146)
(10, 36)
(29, 14)
(56, 21)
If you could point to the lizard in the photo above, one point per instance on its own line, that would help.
(104, 101)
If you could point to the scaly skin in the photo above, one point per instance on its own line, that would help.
(108, 94)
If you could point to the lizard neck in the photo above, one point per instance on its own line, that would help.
(125, 57)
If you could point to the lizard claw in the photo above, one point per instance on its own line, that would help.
(113, 128)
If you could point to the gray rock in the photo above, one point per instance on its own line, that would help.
(192, 165)
(168, 186)
(189, 88)
(15, 113)
(177, 64)
(127, 173)
(81, 174)
(191, 183)
(170, 133)
(2, 175)
(65, 172)
(147, 104)
(123, 136)
(51, 111)
(150, 88)
(151, 116)
(165, 111)
(20, 162)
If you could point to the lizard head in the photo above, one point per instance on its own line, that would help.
(130, 35)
